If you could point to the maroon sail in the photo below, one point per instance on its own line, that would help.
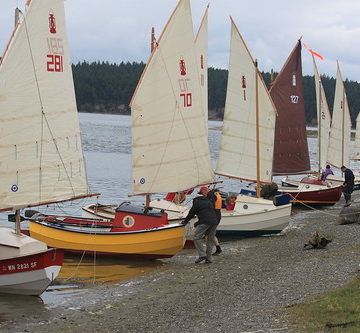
(291, 154)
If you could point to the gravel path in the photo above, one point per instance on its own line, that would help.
(245, 289)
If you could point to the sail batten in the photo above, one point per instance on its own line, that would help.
(291, 154)
(40, 151)
(340, 132)
(170, 150)
(238, 157)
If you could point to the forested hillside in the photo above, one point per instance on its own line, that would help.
(107, 88)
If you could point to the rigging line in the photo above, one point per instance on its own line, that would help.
(43, 115)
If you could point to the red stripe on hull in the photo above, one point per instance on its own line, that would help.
(32, 262)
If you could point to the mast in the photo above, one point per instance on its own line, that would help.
(153, 40)
(343, 126)
(319, 128)
(17, 222)
(257, 131)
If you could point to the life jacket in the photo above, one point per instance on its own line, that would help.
(218, 202)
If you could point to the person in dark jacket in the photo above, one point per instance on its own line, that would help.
(348, 185)
(215, 197)
(206, 225)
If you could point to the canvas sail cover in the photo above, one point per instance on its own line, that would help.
(324, 119)
(170, 151)
(41, 156)
(357, 139)
(238, 151)
(340, 132)
(291, 155)
(201, 46)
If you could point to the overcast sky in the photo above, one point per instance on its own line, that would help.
(119, 30)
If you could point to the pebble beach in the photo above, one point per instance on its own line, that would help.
(248, 288)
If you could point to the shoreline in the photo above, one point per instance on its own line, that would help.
(246, 289)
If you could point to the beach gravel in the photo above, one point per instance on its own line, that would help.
(248, 288)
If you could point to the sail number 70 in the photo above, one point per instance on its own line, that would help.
(184, 88)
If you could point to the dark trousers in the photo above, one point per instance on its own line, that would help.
(347, 190)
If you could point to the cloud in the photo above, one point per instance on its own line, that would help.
(113, 30)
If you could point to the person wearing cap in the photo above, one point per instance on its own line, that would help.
(206, 225)
(348, 185)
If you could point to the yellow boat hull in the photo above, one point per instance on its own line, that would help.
(161, 242)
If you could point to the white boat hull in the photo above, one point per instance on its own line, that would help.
(27, 266)
(28, 283)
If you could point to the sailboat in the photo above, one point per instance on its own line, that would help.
(291, 155)
(34, 160)
(246, 149)
(169, 153)
(190, 132)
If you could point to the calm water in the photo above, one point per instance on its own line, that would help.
(106, 143)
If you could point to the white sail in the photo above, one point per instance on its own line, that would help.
(238, 149)
(201, 46)
(324, 118)
(41, 156)
(356, 155)
(339, 142)
(169, 137)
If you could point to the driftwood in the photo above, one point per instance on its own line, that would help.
(317, 241)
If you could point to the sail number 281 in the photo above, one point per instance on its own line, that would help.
(55, 56)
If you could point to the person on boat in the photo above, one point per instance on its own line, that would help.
(348, 186)
(216, 199)
(230, 203)
(206, 225)
(326, 173)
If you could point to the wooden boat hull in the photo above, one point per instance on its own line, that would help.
(30, 274)
(259, 218)
(313, 195)
(162, 242)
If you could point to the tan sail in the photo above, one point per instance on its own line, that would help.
(238, 150)
(201, 46)
(324, 118)
(41, 156)
(356, 155)
(169, 136)
(339, 142)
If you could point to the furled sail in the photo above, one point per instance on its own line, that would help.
(41, 157)
(238, 155)
(291, 155)
(324, 118)
(356, 155)
(340, 132)
(170, 150)
(201, 46)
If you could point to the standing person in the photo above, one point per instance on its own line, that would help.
(206, 225)
(326, 173)
(216, 199)
(348, 185)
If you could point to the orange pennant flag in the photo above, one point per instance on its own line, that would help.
(313, 52)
